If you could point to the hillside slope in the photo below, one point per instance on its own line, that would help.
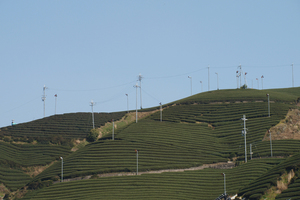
(191, 134)
(202, 129)
(58, 129)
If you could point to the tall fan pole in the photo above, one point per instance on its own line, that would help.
(92, 105)
(140, 79)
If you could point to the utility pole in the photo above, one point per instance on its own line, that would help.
(62, 169)
(251, 151)
(136, 114)
(245, 79)
(140, 79)
(244, 132)
(270, 142)
(262, 83)
(127, 104)
(257, 83)
(293, 74)
(268, 104)
(237, 79)
(217, 81)
(191, 85)
(137, 161)
(160, 111)
(224, 183)
(55, 102)
(92, 105)
(113, 129)
(240, 74)
(208, 77)
(44, 99)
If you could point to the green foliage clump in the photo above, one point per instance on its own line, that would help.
(6, 139)
(255, 196)
(92, 136)
(244, 86)
(39, 184)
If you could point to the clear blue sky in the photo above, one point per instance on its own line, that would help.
(83, 50)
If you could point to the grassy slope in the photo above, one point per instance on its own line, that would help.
(201, 184)
(258, 186)
(15, 157)
(171, 144)
(60, 127)
(184, 139)
(279, 95)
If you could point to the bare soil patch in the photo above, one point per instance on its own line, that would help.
(288, 128)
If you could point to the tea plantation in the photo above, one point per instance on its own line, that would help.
(202, 129)
(15, 157)
(201, 184)
(59, 129)
(258, 187)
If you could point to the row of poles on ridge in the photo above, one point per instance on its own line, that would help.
(239, 75)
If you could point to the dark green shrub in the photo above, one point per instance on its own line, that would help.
(244, 86)
(232, 155)
(23, 139)
(30, 140)
(6, 139)
(92, 136)
(16, 139)
(255, 196)
(39, 184)
(95, 176)
(55, 178)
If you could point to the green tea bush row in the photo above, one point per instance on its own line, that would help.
(202, 184)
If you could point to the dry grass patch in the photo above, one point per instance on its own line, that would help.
(288, 128)
(33, 171)
(79, 144)
(127, 119)
(282, 184)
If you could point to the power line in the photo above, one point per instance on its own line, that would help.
(232, 66)
(151, 96)
(184, 74)
(264, 66)
(22, 104)
(89, 90)
(114, 97)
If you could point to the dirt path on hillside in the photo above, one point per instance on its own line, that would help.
(221, 165)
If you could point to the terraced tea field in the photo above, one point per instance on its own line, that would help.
(13, 179)
(60, 129)
(258, 187)
(15, 158)
(201, 184)
(202, 129)
(190, 135)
